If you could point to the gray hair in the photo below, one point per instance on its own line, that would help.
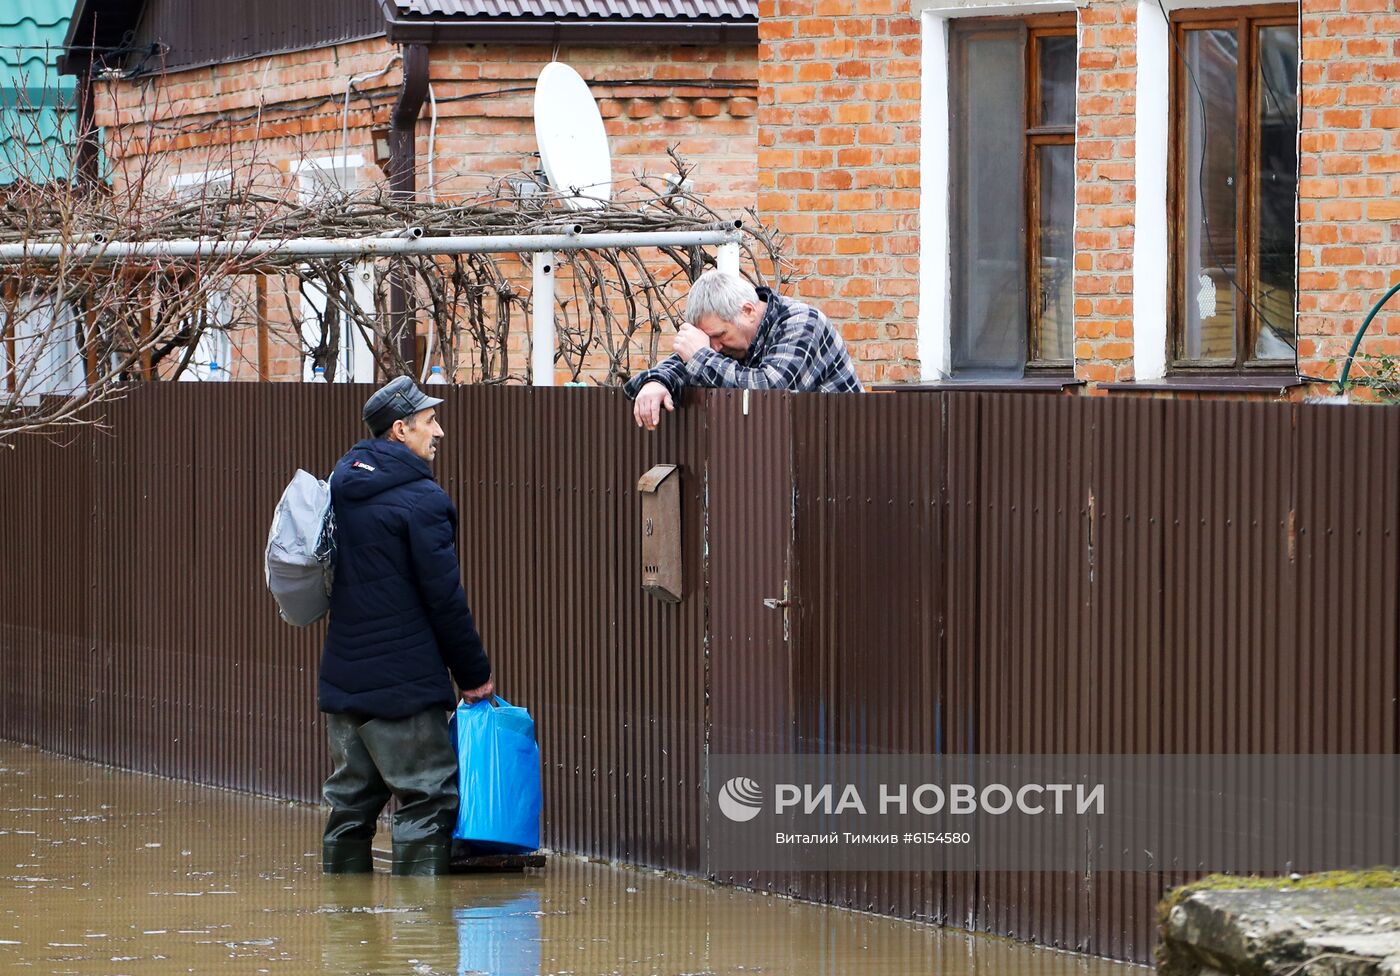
(720, 294)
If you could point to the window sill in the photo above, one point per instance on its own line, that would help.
(984, 384)
(1234, 383)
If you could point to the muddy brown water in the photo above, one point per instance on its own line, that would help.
(114, 873)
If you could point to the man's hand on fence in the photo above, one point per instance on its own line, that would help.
(646, 410)
(479, 694)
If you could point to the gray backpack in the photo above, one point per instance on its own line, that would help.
(300, 556)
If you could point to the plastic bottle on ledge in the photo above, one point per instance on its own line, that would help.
(318, 375)
(435, 377)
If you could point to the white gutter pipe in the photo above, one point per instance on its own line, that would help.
(330, 247)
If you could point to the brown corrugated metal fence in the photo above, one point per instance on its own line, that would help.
(192, 34)
(963, 573)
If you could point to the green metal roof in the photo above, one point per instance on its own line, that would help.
(36, 102)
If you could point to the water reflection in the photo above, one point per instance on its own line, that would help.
(502, 939)
(106, 872)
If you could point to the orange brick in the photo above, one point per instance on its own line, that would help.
(880, 135)
(855, 112)
(1094, 149)
(1342, 255)
(1383, 210)
(1095, 372)
(1317, 188)
(1361, 233)
(857, 201)
(1364, 94)
(1368, 48)
(1365, 278)
(674, 108)
(1342, 118)
(1339, 164)
(1341, 210)
(742, 108)
(1102, 14)
(1371, 186)
(796, 95)
(1351, 141)
(774, 159)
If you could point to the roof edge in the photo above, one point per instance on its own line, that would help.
(69, 62)
(614, 31)
(292, 49)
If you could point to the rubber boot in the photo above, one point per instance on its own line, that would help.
(424, 857)
(347, 857)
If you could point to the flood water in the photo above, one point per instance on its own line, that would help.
(114, 873)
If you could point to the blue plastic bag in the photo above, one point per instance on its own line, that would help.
(498, 777)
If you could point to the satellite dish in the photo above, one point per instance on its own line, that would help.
(573, 143)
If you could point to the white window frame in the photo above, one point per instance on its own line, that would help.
(935, 326)
(40, 332)
(356, 363)
(212, 360)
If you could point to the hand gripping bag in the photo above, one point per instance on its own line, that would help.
(498, 777)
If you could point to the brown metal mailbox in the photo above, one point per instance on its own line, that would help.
(661, 532)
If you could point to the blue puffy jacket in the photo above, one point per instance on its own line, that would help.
(399, 619)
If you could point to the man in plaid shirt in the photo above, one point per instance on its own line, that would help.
(740, 337)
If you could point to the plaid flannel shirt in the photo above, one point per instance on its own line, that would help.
(795, 348)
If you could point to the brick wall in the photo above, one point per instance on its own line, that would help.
(838, 171)
(701, 101)
(838, 166)
(256, 116)
(276, 107)
(1104, 192)
(836, 132)
(270, 112)
(1349, 180)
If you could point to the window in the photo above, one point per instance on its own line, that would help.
(1234, 188)
(46, 344)
(1012, 187)
(322, 320)
(212, 359)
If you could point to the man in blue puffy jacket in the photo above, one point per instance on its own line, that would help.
(400, 633)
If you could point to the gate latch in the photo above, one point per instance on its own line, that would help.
(783, 603)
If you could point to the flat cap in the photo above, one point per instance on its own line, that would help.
(397, 399)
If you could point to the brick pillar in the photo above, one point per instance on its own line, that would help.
(1348, 190)
(838, 161)
(1104, 191)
